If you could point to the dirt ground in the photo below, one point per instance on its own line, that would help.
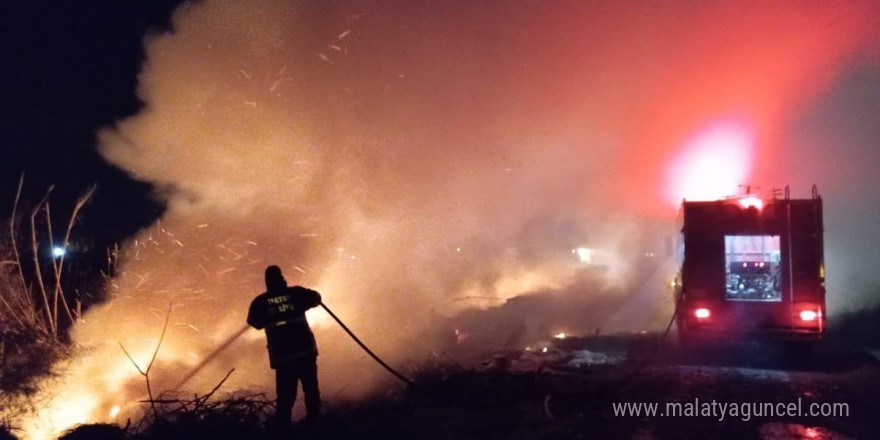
(545, 395)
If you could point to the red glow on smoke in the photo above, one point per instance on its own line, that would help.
(712, 165)
(761, 67)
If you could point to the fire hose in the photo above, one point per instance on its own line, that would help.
(366, 349)
(241, 331)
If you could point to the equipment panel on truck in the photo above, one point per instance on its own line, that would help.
(752, 267)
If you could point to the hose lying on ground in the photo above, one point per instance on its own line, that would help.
(403, 378)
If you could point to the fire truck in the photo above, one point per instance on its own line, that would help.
(752, 267)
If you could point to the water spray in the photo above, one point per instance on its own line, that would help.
(210, 357)
(240, 332)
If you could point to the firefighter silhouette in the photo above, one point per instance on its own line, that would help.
(293, 353)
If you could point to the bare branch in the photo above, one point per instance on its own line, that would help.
(131, 359)
(59, 267)
(161, 338)
(34, 245)
(12, 312)
(54, 263)
(31, 309)
(146, 373)
(24, 287)
(214, 390)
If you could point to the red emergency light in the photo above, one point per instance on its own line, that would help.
(702, 313)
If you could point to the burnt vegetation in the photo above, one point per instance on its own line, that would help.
(448, 401)
(515, 392)
(538, 394)
(510, 395)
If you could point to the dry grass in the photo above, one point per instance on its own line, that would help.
(35, 311)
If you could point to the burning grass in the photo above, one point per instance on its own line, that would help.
(557, 393)
(556, 398)
(463, 404)
(489, 400)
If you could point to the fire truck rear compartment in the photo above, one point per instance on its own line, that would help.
(750, 271)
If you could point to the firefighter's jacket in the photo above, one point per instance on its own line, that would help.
(282, 313)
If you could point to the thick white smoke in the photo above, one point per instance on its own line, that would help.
(408, 161)
(374, 158)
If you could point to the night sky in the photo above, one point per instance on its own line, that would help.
(70, 68)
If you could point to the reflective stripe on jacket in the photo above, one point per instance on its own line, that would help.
(282, 313)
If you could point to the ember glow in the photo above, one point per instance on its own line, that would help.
(410, 159)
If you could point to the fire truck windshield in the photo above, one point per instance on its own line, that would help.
(752, 265)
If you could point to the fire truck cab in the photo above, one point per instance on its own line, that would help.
(752, 267)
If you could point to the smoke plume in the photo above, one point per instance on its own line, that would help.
(410, 160)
